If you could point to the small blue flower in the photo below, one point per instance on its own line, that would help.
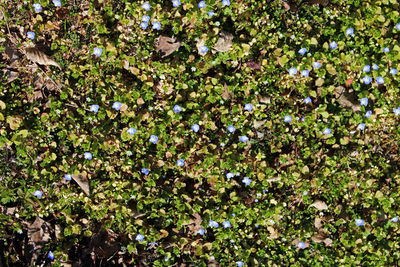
(30, 35)
(239, 263)
(292, 71)
(386, 50)
(398, 26)
(97, 51)
(131, 131)
(368, 114)
(57, 3)
(202, 4)
(88, 155)
(226, 224)
(367, 68)
(146, 18)
(180, 162)
(243, 139)
(117, 105)
(201, 231)
(231, 129)
(333, 45)
(359, 222)
(213, 224)
(316, 65)
(380, 80)
(302, 51)
(156, 25)
(177, 109)
(229, 175)
(50, 255)
(361, 126)
(375, 67)
(226, 3)
(145, 171)
(327, 131)
(287, 118)
(246, 181)
(233, 215)
(146, 6)
(367, 79)
(195, 127)
(94, 108)
(203, 49)
(396, 111)
(144, 25)
(68, 177)
(350, 31)
(139, 238)
(393, 71)
(38, 193)
(395, 219)
(248, 107)
(305, 73)
(176, 3)
(210, 13)
(301, 245)
(307, 100)
(152, 244)
(37, 7)
(153, 139)
(364, 101)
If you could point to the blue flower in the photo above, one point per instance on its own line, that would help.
(316, 65)
(144, 25)
(302, 51)
(333, 45)
(393, 71)
(50, 255)
(213, 224)
(398, 26)
(201, 231)
(94, 108)
(117, 105)
(203, 49)
(301, 245)
(231, 129)
(368, 114)
(380, 80)
(229, 175)
(37, 7)
(30, 35)
(307, 100)
(202, 4)
(361, 126)
(239, 263)
(386, 50)
(367, 79)
(139, 238)
(395, 219)
(180, 162)
(233, 215)
(97, 51)
(68, 177)
(396, 111)
(359, 222)
(375, 67)
(131, 131)
(177, 109)
(305, 73)
(210, 13)
(145, 171)
(88, 155)
(287, 118)
(248, 107)
(246, 181)
(146, 6)
(195, 127)
(350, 31)
(146, 18)
(38, 193)
(152, 244)
(156, 25)
(327, 131)
(292, 71)
(153, 139)
(364, 101)
(226, 224)
(176, 3)
(367, 68)
(243, 139)
(57, 3)
(226, 3)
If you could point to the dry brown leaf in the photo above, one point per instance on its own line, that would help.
(224, 42)
(258, 124)
(347, 99)
(316, 2)
(226, 94)
(167, 45)
(319, 205)
(273, 232)
(38, 234)
(37, 56)
(318, 223)
(163, 233)
(285, 5)
(82, 181)
(105, 243)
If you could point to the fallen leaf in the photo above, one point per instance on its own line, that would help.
(273, 232)
(347, 99)
(254, 65)
(285, 5)
(37, 56)
(105, 243)
(164, 233)
(318, 223)
(258, 124)
(167, 45)
(82, 181)
(319, 205)
(224, 42)
(226, 94)
(38, 235)
(201, 43)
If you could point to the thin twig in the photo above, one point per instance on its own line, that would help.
(5, 19)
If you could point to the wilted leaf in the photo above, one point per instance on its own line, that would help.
(164, 233)
(14, 122)
(167, 45)
(224, 42)
(35, 55)
(82, 181)
(319, 82)
(319, 205)
(273, 232)
(226, 94)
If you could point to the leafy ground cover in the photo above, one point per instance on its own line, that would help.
(212, 133)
